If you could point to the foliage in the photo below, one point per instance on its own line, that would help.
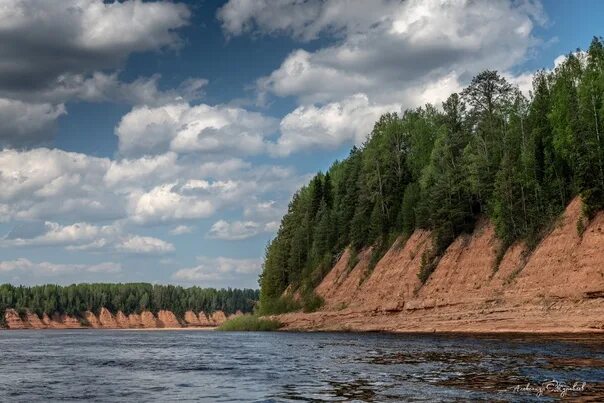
(489, 151)
(276, 306)
(128, 298)
(250, 323)
(311, 301)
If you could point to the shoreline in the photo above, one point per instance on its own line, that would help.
(469, 332)
(567, 318)
(565, 333)
(152, 329)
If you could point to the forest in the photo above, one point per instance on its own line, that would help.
(488, 151)
(128, 298)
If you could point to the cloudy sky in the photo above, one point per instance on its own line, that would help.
(161, 141)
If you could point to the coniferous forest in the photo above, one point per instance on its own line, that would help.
(488, 151)
(128, 298)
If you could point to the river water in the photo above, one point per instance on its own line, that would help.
(105, 365)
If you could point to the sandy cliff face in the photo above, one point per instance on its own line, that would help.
(168, 319)
(218, 318)
(14, 321)
(557, 287)
(107, 320)
(205, 319)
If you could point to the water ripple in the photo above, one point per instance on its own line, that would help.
(274, 367)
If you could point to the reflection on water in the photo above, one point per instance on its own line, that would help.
(212, 366)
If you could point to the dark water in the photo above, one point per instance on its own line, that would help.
(214, 366)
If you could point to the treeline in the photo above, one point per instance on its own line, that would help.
(488, 151)
(128, 298)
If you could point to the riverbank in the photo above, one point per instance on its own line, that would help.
(146, 320)
(567, 318)
(555, 287)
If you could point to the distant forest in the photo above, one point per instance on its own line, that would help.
(489, 151)
(128, 298)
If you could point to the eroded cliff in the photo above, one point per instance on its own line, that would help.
(557, 287)
(108, 320)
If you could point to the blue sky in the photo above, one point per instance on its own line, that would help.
(162, 141)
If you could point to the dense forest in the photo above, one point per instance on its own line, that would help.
(128, 298)
(489, 151)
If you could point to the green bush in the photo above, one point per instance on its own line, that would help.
(250, 323)
(311, 302)
(278, 306)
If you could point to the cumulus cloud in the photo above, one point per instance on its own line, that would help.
(23, 124)
(266, 211)
(237, 230)
(164, 203)
(55, 52)
(46, 184)
(52, 234)
(217, 269)
(193, 129)
(302, 20)
(416, 43)
(107, 87)
(144, 245)
(83, 237)
(260, 217)
(23, 265)
(328, 126)
(79, 36)
(127, 173)
(181, 229)
(387, 55)
(59, 186)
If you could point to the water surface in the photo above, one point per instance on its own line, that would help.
(107, 365)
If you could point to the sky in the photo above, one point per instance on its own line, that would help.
(162, 141)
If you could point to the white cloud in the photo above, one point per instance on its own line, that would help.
(262, 217)
(53, 234)
(47, 39)
(104, 87)
(328, 126)
(224, 168)
(387, 56)
(128, 173)
(44, 184)
(235, 230)
(84, 237)
(220, 268)
(418, 42)
(144, 245)
(265, 211)
(52, 269)
(58, 186)
(57, 51)
(186, 129)
(181, 229)
(164, 203)
(303, 20)
(238, 230)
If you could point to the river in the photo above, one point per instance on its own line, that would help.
(106, 365)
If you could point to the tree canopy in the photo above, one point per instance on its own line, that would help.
(128, 298)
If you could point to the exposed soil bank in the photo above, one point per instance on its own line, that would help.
(107, 320)
(556, 288)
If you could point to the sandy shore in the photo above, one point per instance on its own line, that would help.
(161, 329)
(568, 317)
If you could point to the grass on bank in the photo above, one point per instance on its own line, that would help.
(250, 323)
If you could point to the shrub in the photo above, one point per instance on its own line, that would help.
(311, 302)
(250, 323)
(278, 306)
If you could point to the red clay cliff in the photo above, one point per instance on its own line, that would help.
(557, 287)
